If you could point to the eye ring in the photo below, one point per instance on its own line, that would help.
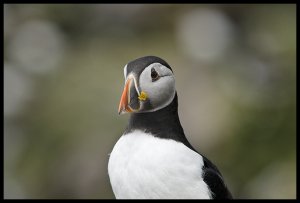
(154, 75)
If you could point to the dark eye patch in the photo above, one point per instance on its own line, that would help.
(154, 75)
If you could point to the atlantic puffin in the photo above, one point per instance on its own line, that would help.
(153, 158)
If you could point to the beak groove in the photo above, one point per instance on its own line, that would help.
(123, 106)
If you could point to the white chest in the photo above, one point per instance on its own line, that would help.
(143, 166)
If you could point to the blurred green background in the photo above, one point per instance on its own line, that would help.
(235, 69)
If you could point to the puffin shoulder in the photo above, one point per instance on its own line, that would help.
(214, 180)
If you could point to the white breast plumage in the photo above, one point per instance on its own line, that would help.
(143, 166)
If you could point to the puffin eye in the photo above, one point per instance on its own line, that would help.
(154, 75)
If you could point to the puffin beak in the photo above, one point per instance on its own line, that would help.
(130, 97)
(123, 106)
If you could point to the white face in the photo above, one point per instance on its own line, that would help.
(158, 82)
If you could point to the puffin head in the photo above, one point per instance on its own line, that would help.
(149, 85)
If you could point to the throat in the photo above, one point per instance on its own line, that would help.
(163, 123)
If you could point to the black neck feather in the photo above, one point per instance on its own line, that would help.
(163, 123)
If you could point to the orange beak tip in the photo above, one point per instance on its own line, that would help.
(124, 99)
(121, 112)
